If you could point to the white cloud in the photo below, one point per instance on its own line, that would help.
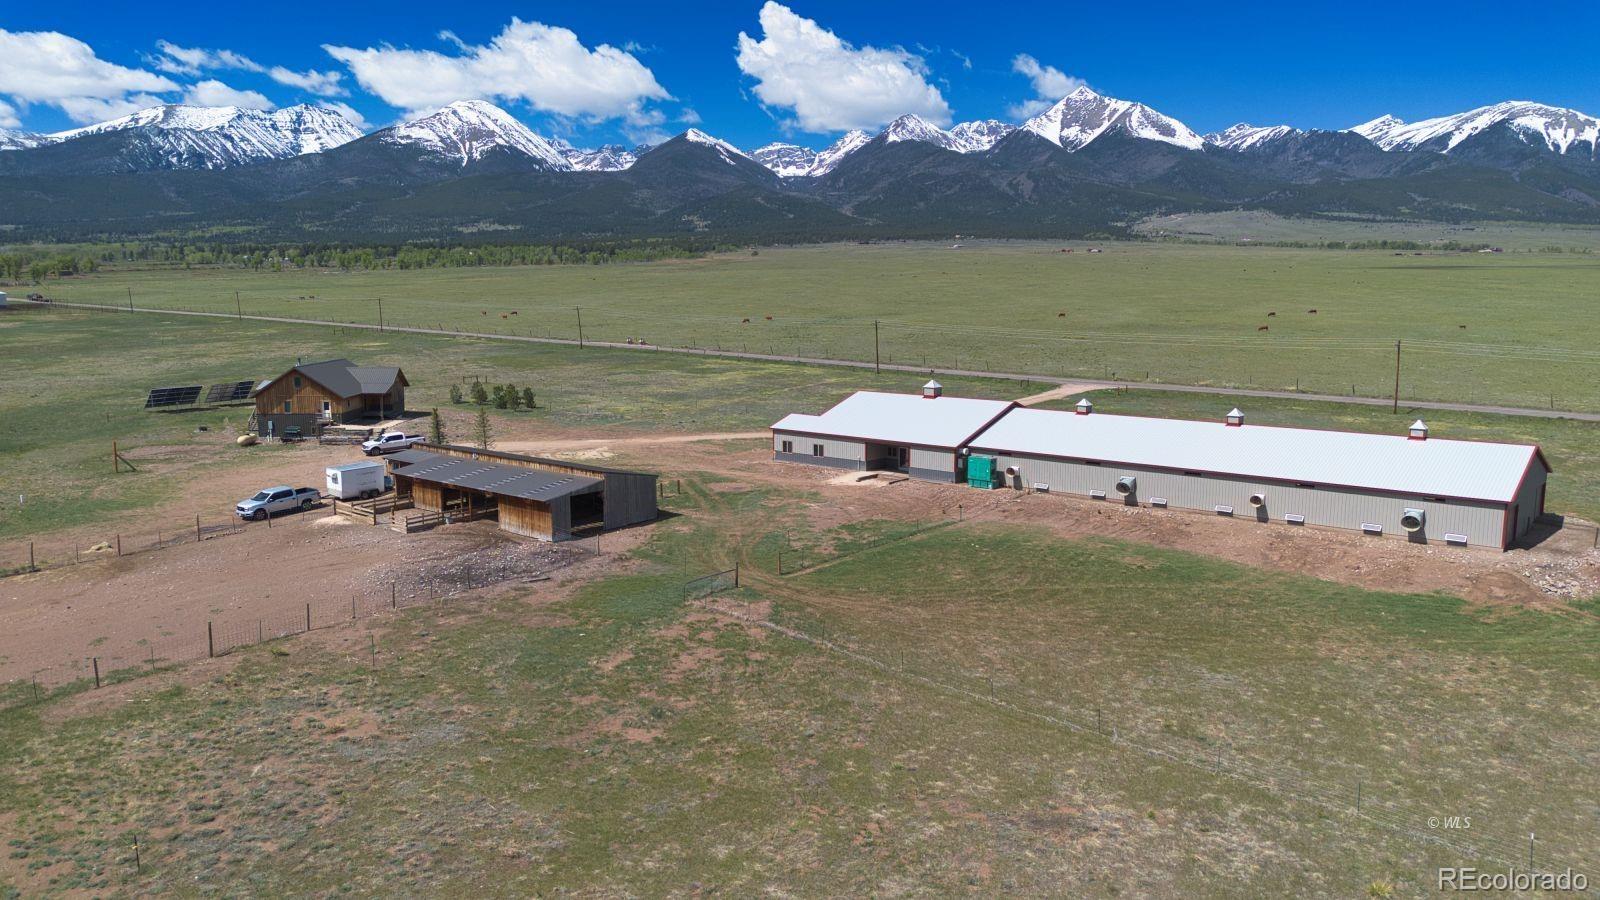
(8, 116)
(349, 112)
(323, 84)
(86, 110)
(53, 68)
(212, 92)
(544, 66)
(1050, 84)
(192, 60)
(829, 84)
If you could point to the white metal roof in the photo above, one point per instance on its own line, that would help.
(946, 422)
(1475, 470)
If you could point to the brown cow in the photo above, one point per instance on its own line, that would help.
(1271, 314)
(1261, 328)
(1312, 311)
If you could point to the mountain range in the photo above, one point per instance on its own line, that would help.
(1088, 163)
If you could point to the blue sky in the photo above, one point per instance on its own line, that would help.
(622, 71)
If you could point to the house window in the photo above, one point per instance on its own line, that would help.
(288, 406)
(816, 450)
(788, 446)
(297, 382)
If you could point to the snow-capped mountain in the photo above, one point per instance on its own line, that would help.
(1243, 137)
(1554, 128)
(468, 130)
(786, 160)
(728, 151)
(828, 159)
(21, 140)
(1083, 115)
(216, 137)
(911, 127)
(608, 158)
(976, 137)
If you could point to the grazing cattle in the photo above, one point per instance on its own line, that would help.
(1311, 311)
(1061, 315)
(484, 313)
(744, 322)
(1271, 314)
(1261, 328)
(1461, 326)
(513, 312)
(769, 318)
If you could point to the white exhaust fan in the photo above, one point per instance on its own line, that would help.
(1413, 519)
(1258, 500)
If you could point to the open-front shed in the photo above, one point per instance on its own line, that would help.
(548, 499)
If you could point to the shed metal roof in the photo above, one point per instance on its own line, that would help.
(1476, 470)
(492, 478)
(947, 422)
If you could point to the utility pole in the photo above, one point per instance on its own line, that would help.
(238, 306)
(877, 366)
(380, 314)
(579, 311)
(130, 299)
(1397, 376)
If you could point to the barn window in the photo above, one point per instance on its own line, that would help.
(287, 406)
(297, 382)
(788, 446)
(816, 450)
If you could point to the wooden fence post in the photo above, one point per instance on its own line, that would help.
(119, 545)
(308, 616)
(97, 673)
(197, 527)
(31, 566)
(211, 643)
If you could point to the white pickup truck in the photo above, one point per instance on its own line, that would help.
(390, 442)
(275, 500)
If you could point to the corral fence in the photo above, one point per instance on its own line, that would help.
(218, 637)
(19, 557)
(715, 583)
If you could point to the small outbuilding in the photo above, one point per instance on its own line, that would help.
(1428, 489)
(547, 499)
(921, 435)
(334, 390)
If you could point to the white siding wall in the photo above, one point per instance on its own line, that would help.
(933, 460)
(1482, 523)
(832, 448)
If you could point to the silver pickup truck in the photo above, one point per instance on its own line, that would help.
(277, 500)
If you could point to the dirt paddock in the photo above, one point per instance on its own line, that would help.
(116, 608)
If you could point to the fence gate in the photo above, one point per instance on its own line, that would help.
(715, 583)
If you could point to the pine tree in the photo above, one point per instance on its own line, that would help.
(436, 431)
(455, 393)
(527, 398)
(513, 397)
(479, 395)
(482, 435)
(502, 398)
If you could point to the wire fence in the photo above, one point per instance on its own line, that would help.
(34, 555)
(211, 638)
(1277, 357)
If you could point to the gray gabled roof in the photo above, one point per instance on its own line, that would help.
(492, 478)
(347, 379)
(946, 422)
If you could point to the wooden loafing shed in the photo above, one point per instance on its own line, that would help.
(547, 499)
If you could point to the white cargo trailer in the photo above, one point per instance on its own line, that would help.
(358, 479)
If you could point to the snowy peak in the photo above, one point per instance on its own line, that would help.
(1554, 128)
(830, 158)
(915, 128)
(976, 137)
(786, 160)
(609, 158)
(21, 140)
(468, 130)
(216, 137)
(1083, 115)
(1243, 137)
(729, 153)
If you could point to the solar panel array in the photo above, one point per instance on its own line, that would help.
(172, 396)
(231, 392)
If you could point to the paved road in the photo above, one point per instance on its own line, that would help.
(1089, 384)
